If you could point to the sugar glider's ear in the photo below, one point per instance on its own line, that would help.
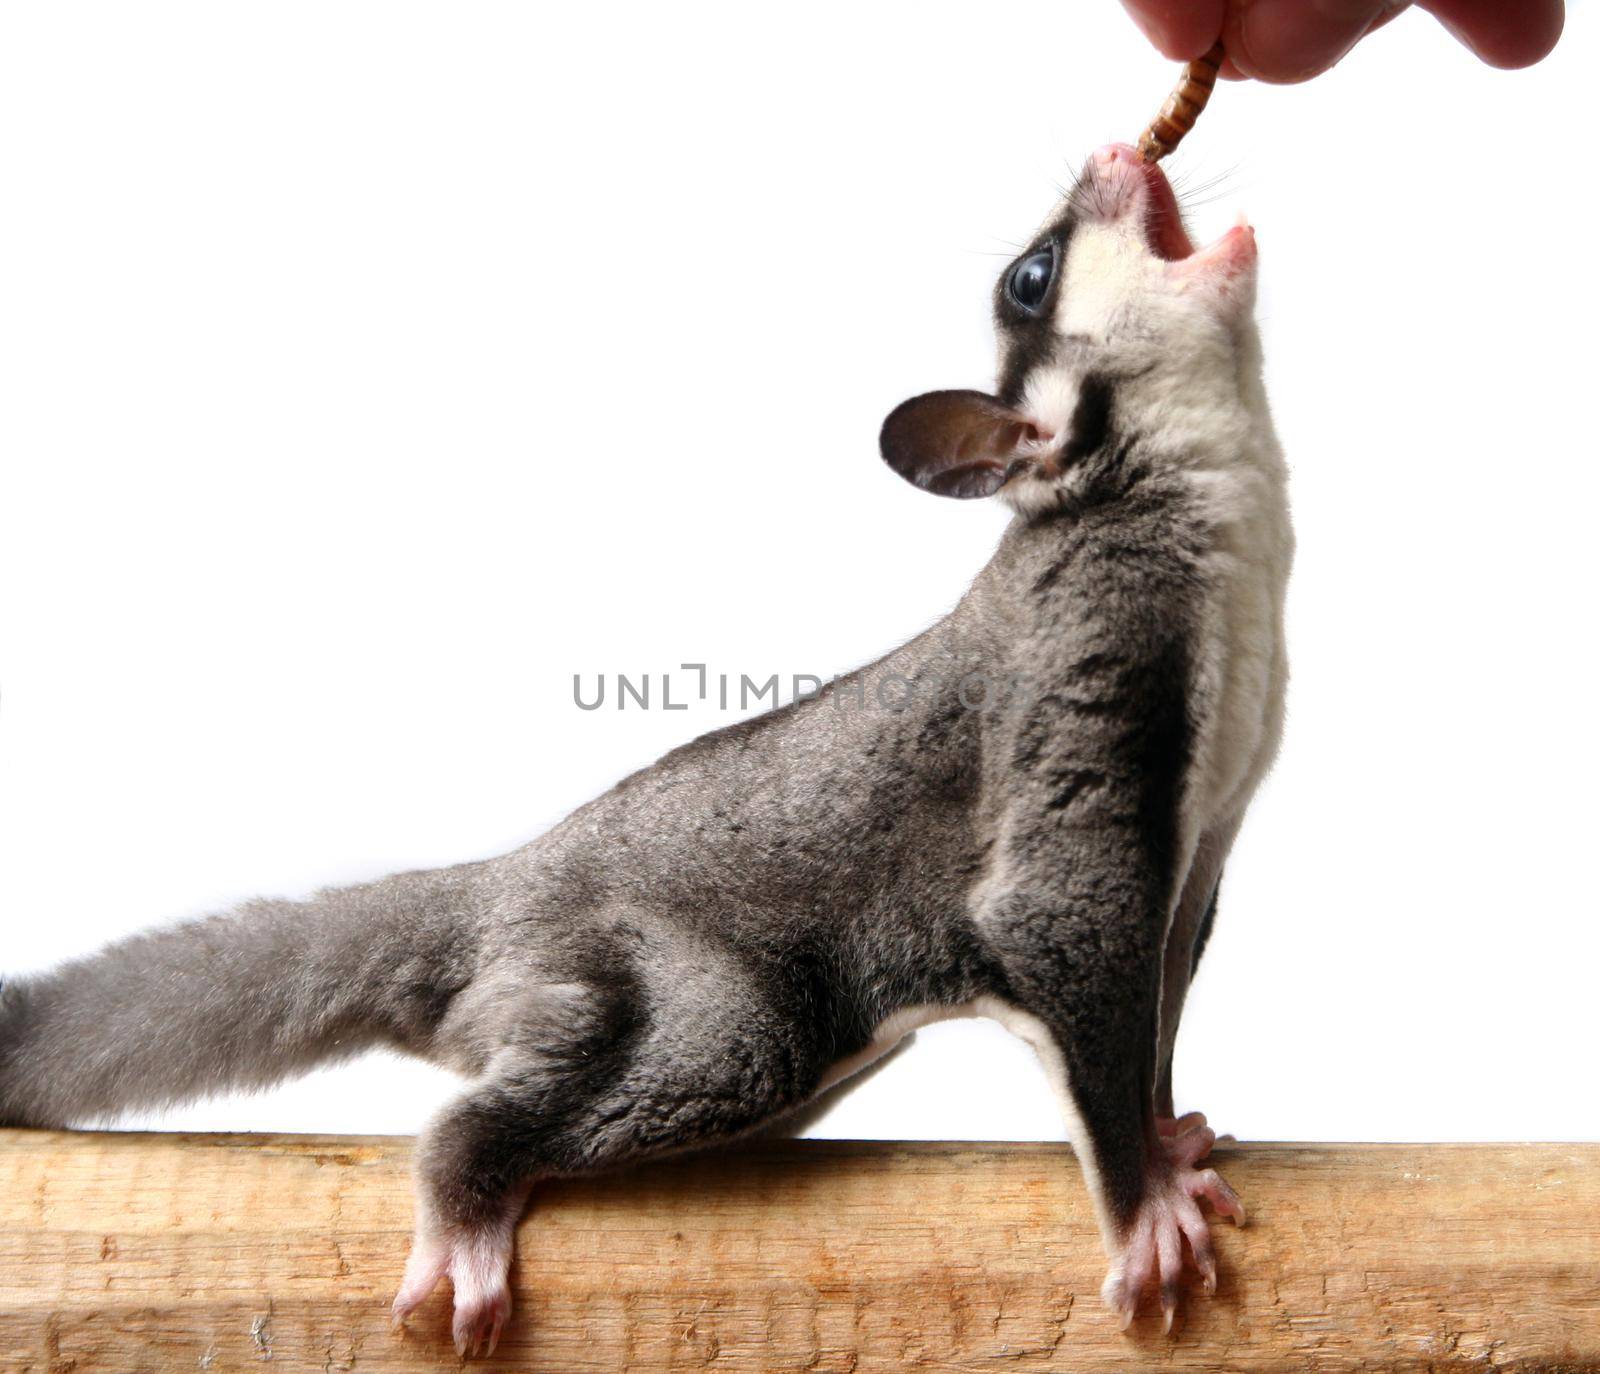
(955, 443)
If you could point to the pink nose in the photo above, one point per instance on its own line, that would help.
(1114, 153)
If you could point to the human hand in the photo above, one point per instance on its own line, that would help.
(1294, 40)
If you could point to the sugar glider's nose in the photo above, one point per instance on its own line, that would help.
(1121, 172)
(1117, 167)
(1117, 175)
(1113, 153)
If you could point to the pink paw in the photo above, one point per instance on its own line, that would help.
(478, 1267)
(1187, 1138)
(479, 1321)
(1168, 1218)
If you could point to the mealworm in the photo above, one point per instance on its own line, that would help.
(1183, 107)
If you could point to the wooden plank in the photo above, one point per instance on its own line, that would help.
(143, 1253)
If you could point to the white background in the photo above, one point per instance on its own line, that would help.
(367, 369)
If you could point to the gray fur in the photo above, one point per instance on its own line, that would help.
(683, 959)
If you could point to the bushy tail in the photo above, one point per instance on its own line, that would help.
(241, 1000)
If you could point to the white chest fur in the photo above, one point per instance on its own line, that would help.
(1241, 662)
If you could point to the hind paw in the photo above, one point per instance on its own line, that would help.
(478, 1267)
(479, 1319)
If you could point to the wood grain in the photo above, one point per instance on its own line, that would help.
(134, 1253)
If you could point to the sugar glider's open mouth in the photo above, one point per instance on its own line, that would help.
(1123, 168)
(1163, 222)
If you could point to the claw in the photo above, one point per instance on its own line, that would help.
(1123, 1301)
(1168, 1220)
(477, 1264)
(1225, 1202)
(480, 1317)
(426, 1265)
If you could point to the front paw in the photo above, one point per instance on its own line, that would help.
(1187, 1139)
(1167, 1220)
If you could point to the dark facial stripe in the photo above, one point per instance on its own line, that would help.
(1091, 419)
(1028, 342)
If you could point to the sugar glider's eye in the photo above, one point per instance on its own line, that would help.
(1029, 282)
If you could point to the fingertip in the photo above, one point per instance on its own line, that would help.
(1115, 1295)
(1505, 36)
(1284, 42)
(1178, 29)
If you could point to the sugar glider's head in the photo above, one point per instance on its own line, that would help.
(1111, 325)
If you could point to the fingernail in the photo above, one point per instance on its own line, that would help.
(1289, 40)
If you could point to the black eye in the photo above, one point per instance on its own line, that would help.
(1029, 282)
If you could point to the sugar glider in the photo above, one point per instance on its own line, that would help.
(716, 939)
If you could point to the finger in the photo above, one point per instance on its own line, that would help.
(1121, 1297)
(1215, 1190)
(1503, 35)
(1169, 1261)
(1198, 1234)
(1286, 41)
(1191, 1147)
(1180, 29)
(1138, 1264)
(1392, 12)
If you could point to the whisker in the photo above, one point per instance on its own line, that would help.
(1188, 189)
